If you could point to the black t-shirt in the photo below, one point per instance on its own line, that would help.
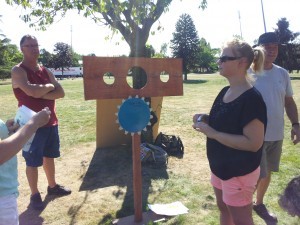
(226, 162)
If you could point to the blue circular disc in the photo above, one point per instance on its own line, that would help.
(134, 115)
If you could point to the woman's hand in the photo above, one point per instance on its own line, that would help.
(12, 126)
(205, 129)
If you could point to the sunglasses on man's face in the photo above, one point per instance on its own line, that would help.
(226, 58)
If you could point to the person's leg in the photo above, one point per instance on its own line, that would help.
(225, 216)
(259, 206)
(50, 153)
(49, 168)
(241, 215)
(34, 159)
(53, 187)
(238, 196)
(262, 188)
(35, 197)
(272, 158)
(32, 178)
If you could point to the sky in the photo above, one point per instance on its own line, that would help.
(217, 23)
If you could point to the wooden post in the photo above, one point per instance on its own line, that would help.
(137, 177)
(94, 69)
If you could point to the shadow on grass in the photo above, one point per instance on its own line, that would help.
(194, 81)
(108, 167)
(32, 216)
(113, 167)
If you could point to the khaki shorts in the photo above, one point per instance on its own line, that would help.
(270, 159)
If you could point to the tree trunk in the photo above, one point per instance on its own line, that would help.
(185, 76)
(137, 45)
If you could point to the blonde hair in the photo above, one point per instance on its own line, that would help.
(255, 57)
(259, 58)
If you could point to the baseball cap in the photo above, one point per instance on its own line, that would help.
(268, 38)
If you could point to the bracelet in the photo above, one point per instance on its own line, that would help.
(293, 124)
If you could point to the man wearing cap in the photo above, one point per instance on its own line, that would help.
(275, 86)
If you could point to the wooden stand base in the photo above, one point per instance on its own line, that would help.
(147, 217)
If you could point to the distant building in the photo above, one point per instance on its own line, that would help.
(67, 72)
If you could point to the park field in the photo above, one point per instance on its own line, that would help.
(101, 179)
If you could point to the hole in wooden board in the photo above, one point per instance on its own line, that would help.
(136, 77)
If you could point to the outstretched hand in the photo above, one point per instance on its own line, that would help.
(42, 117)
(12, 126)
(295, 134)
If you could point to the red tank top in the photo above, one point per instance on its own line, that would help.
(36, 104)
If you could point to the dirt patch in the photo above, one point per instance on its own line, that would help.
(101, 183)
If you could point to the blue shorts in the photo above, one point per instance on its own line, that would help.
(45, 144)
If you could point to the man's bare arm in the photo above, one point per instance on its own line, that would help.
(292, 113)
(19, 80)
(57, 92)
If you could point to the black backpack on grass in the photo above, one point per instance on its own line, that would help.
(154, 155)
(170, 143)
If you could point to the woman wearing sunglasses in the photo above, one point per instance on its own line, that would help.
(235, 133)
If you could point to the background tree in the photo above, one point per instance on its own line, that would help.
(62, 57)
(206, 60)
(185, 43)
(163, 51)
(45, 58)
(76, 59)
(4, 45)
(289, 50)
(133, 19)
(150, 51)
(9, 56)
(284, 33)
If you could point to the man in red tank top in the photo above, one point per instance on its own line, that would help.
(36, 87)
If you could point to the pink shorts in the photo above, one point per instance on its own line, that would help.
(237, 191)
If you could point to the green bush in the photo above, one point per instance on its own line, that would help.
(5, 73)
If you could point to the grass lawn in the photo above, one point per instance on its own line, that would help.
(101, 179)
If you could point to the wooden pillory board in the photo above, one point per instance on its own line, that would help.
(109, 96)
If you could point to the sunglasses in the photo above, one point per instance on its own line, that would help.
(226, 58)
(30, 46)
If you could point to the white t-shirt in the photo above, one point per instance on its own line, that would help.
(274, 85)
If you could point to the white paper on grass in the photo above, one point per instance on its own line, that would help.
(171, 209)
(23, 115)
